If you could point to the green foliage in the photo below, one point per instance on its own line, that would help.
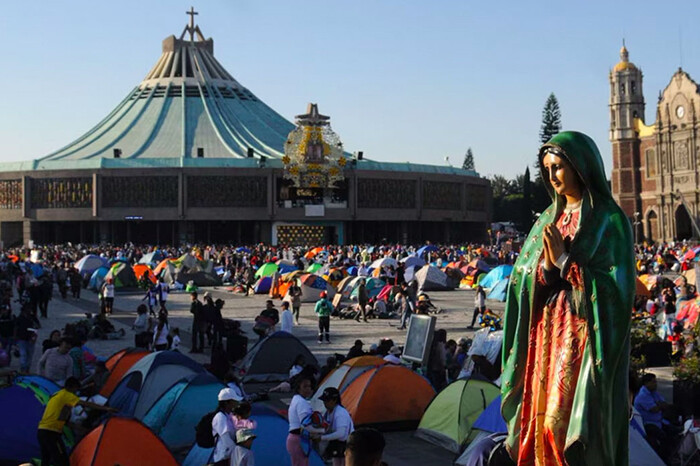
(688, 369)
(468, 163)
(551, 125)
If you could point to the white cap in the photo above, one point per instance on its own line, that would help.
(227, 394)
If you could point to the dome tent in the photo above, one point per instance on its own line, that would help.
(122, 441)
(89, 263)
(430, 278)
(123, 275)
(118, 364)
(499, 291)
(182, 406)
(366, 401)
(449, 418)
(496, 275)
(343, 375)
(270, 359)
(148, 379)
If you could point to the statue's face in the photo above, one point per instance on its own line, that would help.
(561, 175)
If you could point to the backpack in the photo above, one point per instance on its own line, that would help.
(203, 435)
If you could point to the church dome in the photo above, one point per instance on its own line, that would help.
(187, 106)
(625, 63)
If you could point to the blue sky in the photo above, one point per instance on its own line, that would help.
(402, 80)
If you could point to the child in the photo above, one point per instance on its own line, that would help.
(175, 346)
(241, 416)
(242, 454)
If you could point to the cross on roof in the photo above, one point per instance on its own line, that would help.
(191, 28)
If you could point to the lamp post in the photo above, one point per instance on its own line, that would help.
(636, 227)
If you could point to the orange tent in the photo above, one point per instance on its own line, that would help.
(117, 365)
(344, 375)
(122, 441)
(641, 289)
(313, 253)
(140, 269)
(159, 268)
(388, 396)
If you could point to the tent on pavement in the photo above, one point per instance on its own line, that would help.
(123, 275)
(496, 275)
(425, 249)
(140, 269)
(342, 376)
(148, 379)
(98, 278)
(21, 411)
(271, 358)
(122, 441)
(366, 398)
(499, 291)
(449, 418)
(413, 261)
(118, 364)
(311, 287)
(37, 382)
(372, 285)
(270, 446)
(181, 407)
(89, 263)
(188, 268)
(267, 270)
(263, 285)
(152, 259)
(430, 278)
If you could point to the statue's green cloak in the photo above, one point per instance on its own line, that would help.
(603, 249)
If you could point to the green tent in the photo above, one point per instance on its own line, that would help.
(267, 270)
(315, 267)
(123, 275)
(448, 420)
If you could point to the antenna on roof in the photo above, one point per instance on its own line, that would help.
(680, 46)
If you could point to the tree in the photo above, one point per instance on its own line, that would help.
(468, 160)
(527, 201)
(551, 125)
(502, 187)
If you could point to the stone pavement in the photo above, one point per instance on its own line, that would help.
(402, 447)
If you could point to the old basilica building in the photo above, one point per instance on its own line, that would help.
(655, 171)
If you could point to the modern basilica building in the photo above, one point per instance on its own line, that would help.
(191, 155)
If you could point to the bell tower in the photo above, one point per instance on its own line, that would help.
(626, 106)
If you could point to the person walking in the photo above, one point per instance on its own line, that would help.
(45, 292)
(198, 324)
(323, 310)
(56, 414)
(286, 318)
(403, 306)
(25, 337)
(340, 426)
(479, 304)
(108, 294)
(299, 409)
(295, 293)
(160, 334)
(163, 291)
(362, 300)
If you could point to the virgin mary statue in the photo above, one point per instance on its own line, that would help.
(567, 321)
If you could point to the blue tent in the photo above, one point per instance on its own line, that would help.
(499, 291)
(496, 275)
(97, 278)
(89, 263)
(37, 270)
(413, 261)
(283, 268)
(243, 249)
(263, 285)
(181, 407)
(269, 448)
(21, 412)
(424, 249)
(37, 382)
(352, 271)
(491, 420)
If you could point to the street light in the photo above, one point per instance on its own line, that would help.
(636, 227)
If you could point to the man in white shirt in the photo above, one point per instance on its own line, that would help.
(223, 429)
(287, 318)
(363, 270)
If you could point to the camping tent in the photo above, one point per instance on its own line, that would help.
(148, 379)
(121, 441)
(263, 285)
(426, 249)
(311, 287)
(118, 364)
(413, 261)
(21, 411)
(430, 278)
(186, 268)
(269, 448)
(342, 376)
(267, 270)
(270, 359)
(123, 275)
(37, 383)
(366, 398)
(499, 291)
(496, 275)
(152, 258)
(183, 405)
(449, 418)
(89, 263)
(372, 285)
(98, 278)
(140, 269)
